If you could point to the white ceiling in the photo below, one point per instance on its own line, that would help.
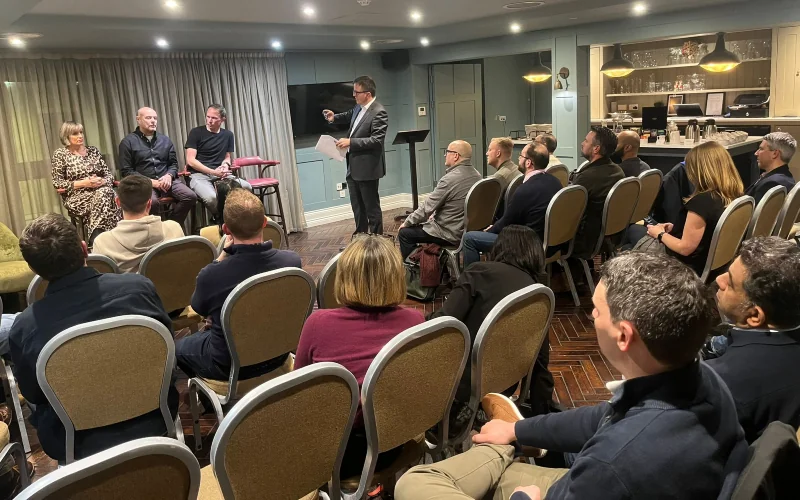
(339, 24)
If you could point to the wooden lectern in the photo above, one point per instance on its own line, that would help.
(411, 137)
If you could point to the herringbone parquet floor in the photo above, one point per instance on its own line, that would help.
(579, 370)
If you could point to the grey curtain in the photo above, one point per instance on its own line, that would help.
(104, 92)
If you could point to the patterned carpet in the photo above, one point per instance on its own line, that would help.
(579, 370)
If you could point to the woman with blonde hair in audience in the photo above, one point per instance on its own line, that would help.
(86, 181)
(716, 182)
(371, 284)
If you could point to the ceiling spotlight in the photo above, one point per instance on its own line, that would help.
(516, 27)
(16, 41)
(364, 44)
(162, 43)
(309, 11)
(416, 16)
(277, 45)
(424, 41)
(172, 5)
(640, 9)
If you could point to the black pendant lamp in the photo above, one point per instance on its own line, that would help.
(618, 66)
(720, 59)
(538, 72)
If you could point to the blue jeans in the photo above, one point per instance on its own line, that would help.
(476, 242)
(6, 322)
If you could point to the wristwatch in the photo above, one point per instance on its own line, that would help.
(660, 235)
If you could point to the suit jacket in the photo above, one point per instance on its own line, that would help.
(528, 206)
(446, 203)
(598, 178)
(366, 160)
(781, 176)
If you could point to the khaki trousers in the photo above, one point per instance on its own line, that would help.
(483, 472)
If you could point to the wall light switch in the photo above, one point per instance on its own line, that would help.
(339, 186)
(502, 118)
(421, 111)
(341, 194)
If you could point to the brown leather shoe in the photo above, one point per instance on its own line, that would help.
(500, 407)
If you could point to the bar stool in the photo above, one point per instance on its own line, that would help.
(264, 186)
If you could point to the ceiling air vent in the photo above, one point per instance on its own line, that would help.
(522, 5)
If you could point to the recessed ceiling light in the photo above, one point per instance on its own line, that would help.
(416, 16)
(276, 44)
(573, 18)
(309, 11)
(424, 41)
(364, 44)
(516, 27)
(162, 43)
(640, 8)
(172, 5)
(522, 5)
(16, 41)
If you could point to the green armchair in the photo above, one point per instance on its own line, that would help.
(15, 275)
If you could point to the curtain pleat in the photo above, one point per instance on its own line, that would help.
(41, 91)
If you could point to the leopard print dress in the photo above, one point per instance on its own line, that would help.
(94, 205)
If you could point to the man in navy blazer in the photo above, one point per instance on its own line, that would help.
(773, 155)
(366, 160)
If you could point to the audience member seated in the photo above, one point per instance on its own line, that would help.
(498, 156)
(549, 141)
(716, 182)
(759, 295)
(205, 354)
(370, 283)
(440, 219)
(76, 294)
(669, 430)
(137, 232)
(515, 261)
(598, 177)
(82, 173)
(528, 206)
(628, 151)
(208, 157)
(774, 154)
(146, 153)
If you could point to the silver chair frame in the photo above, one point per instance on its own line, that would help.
(328, 272)
(268, 390)
(512, 188)
(220, 402)
(773, 192)
(11, 391)
(93, 327)
(368, 394)
(637, 211)
(564, 255)
(36, 282)
(13, 449)
(173, 243)
(602, 237)
(712, 248)
(453, 255)
(779, 225)
(558, 166)
(476, 359)
(49, 486)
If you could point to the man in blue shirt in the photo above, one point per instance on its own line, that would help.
(669, 430)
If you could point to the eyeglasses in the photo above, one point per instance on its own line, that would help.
(446, 151)
(525, 157)
(356, 92)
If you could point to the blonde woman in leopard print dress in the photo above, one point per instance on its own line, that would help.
(84, 181)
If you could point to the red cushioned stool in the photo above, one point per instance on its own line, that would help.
(264, 186)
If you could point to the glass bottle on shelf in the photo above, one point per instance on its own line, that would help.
(651, 83)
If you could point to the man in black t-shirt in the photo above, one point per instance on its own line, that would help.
(208, 157)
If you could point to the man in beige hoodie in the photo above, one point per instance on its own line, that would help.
(138, 231)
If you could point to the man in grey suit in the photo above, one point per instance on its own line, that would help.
(440, 219)
(366, 160)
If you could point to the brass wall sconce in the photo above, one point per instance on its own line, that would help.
(563, 73)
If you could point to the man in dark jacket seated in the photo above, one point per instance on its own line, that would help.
(774, 154)
(76, 294)
(759, 356)
(669, 431)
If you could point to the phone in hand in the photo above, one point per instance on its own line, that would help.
(649, 221)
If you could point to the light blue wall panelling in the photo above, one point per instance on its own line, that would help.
(396, 91)
(506, 93)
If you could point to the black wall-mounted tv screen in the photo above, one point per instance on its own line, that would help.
(307, 102)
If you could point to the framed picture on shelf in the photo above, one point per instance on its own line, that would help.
(673, 100)
(715, 103)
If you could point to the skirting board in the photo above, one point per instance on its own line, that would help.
(345, 212)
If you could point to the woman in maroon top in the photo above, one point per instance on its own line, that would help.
(371, 283)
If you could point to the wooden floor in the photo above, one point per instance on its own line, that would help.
(579, 370)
